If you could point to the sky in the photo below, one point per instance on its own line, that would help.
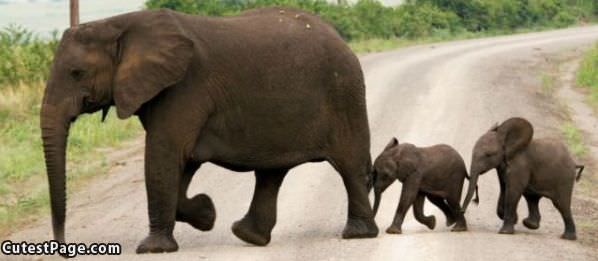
(45, 16)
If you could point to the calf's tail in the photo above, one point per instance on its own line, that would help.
(580, 167)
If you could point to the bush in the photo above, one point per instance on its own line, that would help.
(480, 15)
(415, 21)
(563, 18)
(416, 18)
(24, 58)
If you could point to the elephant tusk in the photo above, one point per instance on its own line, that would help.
(105, 112)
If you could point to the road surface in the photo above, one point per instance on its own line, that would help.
(440, 93)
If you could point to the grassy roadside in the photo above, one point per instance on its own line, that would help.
(586, 79)
(587, 75)
(23, 183)
(574, 139)
(381, 44)
(550, 79)
(584, 205)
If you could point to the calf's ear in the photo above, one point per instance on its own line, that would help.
(516, 134)
(393, 143)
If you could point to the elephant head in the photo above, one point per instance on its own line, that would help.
(124, 61)
(498, 145)
(395, 162)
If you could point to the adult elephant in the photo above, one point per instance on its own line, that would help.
(266, 91)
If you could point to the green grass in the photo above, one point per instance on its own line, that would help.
(380, 44)
(23, 183)
(574, 139)
(383, 44)
(587, 75)
(548, 83)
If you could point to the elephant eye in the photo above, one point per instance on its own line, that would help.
(77, 74)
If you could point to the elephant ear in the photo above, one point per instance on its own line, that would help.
(154, 54)
(494, 127)
(516, 134)
(393, 143)
(409, 160)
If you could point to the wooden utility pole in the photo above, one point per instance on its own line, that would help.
(74, 12)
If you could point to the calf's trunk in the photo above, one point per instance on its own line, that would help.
(473, 187)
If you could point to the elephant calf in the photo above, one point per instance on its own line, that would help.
(435, 172)
(534, 168)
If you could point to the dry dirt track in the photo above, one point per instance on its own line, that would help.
(443, 93)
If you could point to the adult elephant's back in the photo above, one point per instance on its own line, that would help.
(287, 82)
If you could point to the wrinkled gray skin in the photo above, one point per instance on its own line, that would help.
(532, 168)
(435, 172)
(260, 92)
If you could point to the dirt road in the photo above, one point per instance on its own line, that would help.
(442, 93)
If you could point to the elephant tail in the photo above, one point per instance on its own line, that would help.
(580, 167)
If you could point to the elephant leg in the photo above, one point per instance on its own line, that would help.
(446, 209)
(564, 207)
(512, 195)
(408, 195)
(533, 219)
(500, 205)
(255, 227)
(460, 223)
(360, 221)
(162, 174)
(198, 211)
(418, 212)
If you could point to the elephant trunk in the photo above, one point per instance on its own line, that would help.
(377, 198)
(54, 128)
(473, 186)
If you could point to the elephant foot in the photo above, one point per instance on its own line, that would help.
(531, 223)
(360, 228)
(246, 230)
(394, 230)
(450, 221)
(459, 228)
(430, 222)
(569, 236)
(500, 213)
(199, 212)
(157, 243)
(507, 229)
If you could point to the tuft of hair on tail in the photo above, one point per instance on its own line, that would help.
(580, 167)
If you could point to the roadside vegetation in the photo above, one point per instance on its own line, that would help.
(574, 139)
(367, 25)
(371, 26)
(587, 79)
(587, 75)
(550, 79)
(24, 65)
